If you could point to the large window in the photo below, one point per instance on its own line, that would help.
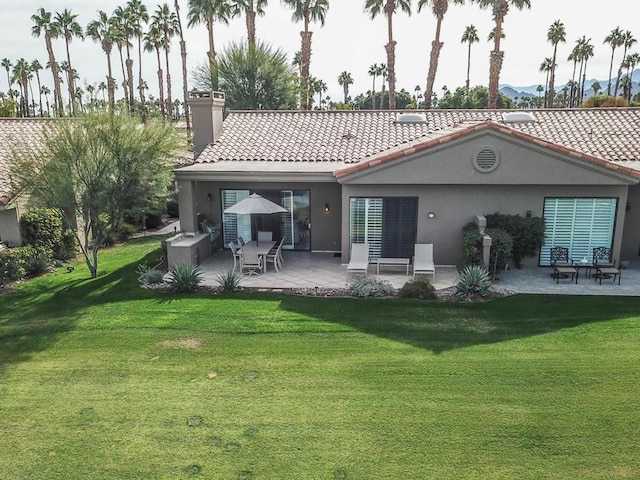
(580, 224)
(387, 224)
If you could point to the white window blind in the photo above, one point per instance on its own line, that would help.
(580, 224)
(234, 226)
(366, 223)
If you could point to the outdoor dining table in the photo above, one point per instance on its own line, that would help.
(263, 248)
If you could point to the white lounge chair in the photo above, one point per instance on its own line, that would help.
(423, 260)
(359, 261)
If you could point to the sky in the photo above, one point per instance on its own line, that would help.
(350, 41)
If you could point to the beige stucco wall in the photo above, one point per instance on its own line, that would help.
(325, 227)
(630, 248)
(10, 227)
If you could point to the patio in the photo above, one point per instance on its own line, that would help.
(325, 271)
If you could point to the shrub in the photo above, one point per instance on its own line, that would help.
(172, 208)
(471, 245)
(185, 277)
(149, 275)
(121, 234)
(68, 248)
(153, 221)
(418, 288)
(35, 260)
(11, 266)
(370, 287)
(229, 281)
(43, 228)
(473, 280)
(501, 248)
(527, 234)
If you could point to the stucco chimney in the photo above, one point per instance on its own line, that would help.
(206, 113)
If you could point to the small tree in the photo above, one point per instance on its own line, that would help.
(96, 170)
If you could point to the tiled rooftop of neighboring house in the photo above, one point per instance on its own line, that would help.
(350, 137)
(14, 133)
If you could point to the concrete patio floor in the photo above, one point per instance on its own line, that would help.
(325, 271)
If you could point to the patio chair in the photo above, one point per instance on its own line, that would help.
(423, 260)
(278, 248)
(265, 236)
(359, 262)
(241, 242)
(251, 261)
(274, 257)
(561, 264)
(237, 256)
(604, 264)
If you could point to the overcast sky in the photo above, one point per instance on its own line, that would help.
(351, 41)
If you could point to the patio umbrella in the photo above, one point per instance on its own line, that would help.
(253, 205)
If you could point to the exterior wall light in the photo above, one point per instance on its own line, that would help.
(327, 208)
(431, 215)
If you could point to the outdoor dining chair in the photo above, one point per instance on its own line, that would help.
(251, 261)
(237, 256)
(241, 242)
(274, 256)
(561, 264)
(265, 236)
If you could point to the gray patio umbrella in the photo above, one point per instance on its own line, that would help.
(253, 205)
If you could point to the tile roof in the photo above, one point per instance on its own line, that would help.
(351, 137)
(16, 132)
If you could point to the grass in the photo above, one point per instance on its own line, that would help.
(102, 379)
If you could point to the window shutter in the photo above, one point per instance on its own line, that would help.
(234, 226)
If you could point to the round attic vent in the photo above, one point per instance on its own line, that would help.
(486, 159)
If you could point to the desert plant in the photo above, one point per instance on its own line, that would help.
(370, 287)
(418, 288)
(149, 275)
(473, 280)
(229, 281)
(185, 277)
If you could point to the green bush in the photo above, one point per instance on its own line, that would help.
(527, 234)
(185, 277)
(68, 248)
(35, 260)
(501, 248)
(418, 288)
(473, 280)
(229, 281)
(370, 287)
(172, 208)
(471, 245)
(121, 234)
(11, 265)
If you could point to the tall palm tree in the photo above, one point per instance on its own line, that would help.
(43, 25)
(101, 88)
(469, 36)
(21, 72)
(374, 71)
(499, 9)
(153, 42)
(251, 9)
(628, 42)
(183, 55)
(586, 52)
(384, 72)
(6, 63)
(101, 30)
(69, 28)
(139, 15)
(307, 11)
(615, 39)
(167, 22)
(345, 80)
(36, 66)
(555, 35)
(44, 90)
(632, 61)
(318, 86)
(389, 7)
(120, 39)
(207, 12)
(546, 67)
(574, 56)
(439, 9)
(123, 19)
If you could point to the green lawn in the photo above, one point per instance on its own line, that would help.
(101, 379)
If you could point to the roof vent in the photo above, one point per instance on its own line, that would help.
(514, 117)
(411, 118)
(486, 159)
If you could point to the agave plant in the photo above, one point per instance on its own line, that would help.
(184, 277)
(229, 281)
(473, 280)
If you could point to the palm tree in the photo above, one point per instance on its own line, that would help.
(389, 7)
(138, 14)
(69, 28)
(344, 80)
(384, 72)
(36, 66)
(596, 87)
(183, 55)
(628, 42)
(374, 71)
(615, 39)
(119, 38)
(318, 86)
(632, 61)
(6, 63)
(469, 36)
(44, 26)
(499, 9)
(21, 71)
(153, 42)
(555, 35)
(546, 67)
(439, 9)
(586, 52)
(44, 90)
(123, 16)
(101, 88)
(251, 9)
(101, 30)
(418, 95)
(166, 21)
(307, 11)
(207, 12)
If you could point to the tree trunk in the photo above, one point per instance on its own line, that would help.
(468, 68)
(496, 58)
(610, 71)
(183, 54)
(130, 100)
(305, 93)
(390, 47)
(125, 84)
(251, 27)
(160, 84)
(436, 46)
(551, 92)
(57, 93)
(111, 85)
(169, 102)
(71, 84)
